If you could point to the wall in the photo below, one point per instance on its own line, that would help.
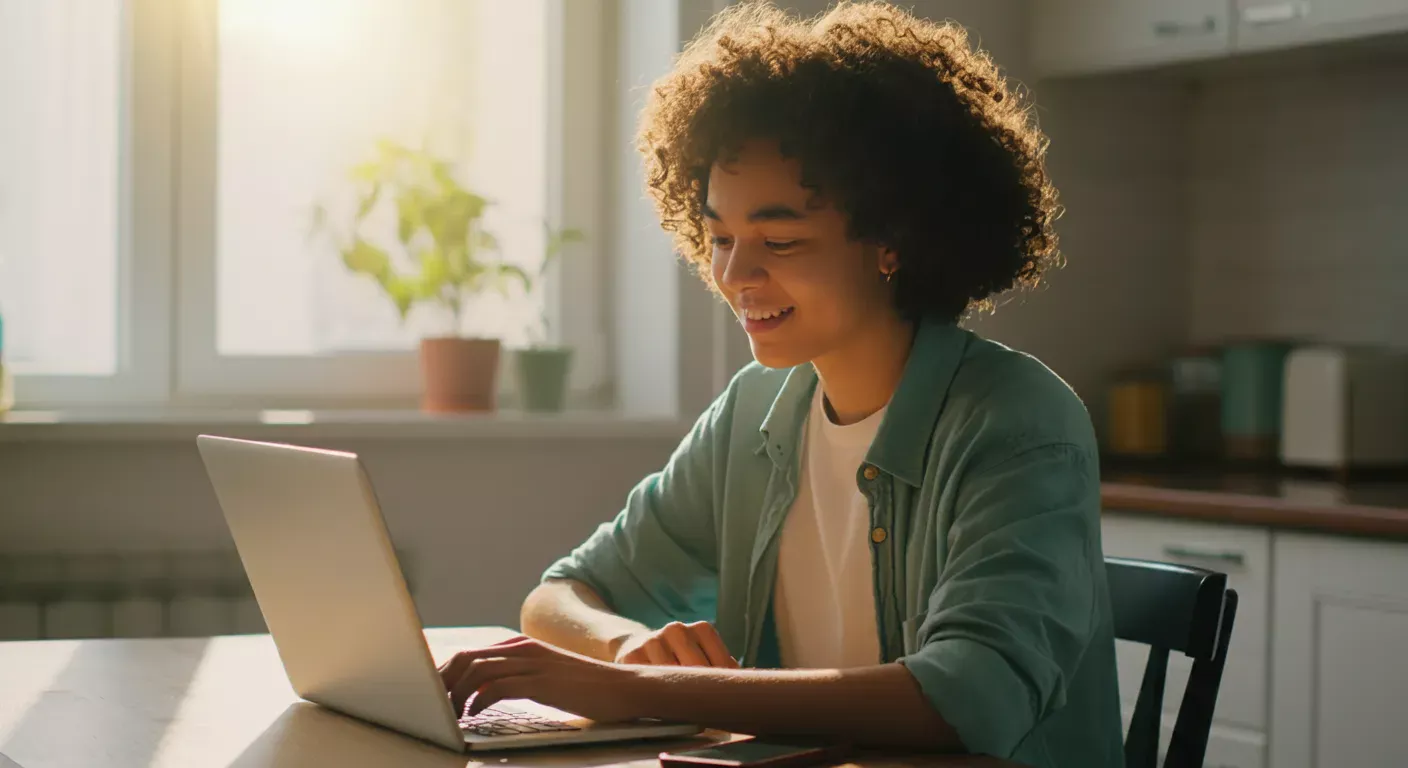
(1298, 203)
(481, 518)
(1117, 156)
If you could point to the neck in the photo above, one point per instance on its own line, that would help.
(860, 377)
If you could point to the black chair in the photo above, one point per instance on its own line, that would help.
(1172, 608)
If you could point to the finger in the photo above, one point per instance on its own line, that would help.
(453, 670)
(708, 639)
(682, 643)
(492, 693)
(636, 656)
(481, 672)
(658, 652)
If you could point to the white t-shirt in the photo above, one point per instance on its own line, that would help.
(825, 600)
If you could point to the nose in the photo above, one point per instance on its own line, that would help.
(739, 267)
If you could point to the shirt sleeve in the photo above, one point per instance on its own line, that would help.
(1014, 609)
(657, 561)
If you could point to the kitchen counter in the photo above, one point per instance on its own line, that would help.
(1374, 509)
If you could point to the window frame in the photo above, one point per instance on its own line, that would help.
(167, 354)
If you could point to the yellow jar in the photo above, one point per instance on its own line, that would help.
(1138, 423)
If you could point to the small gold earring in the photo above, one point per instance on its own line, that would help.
(889, 275)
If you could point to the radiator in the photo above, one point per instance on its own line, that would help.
(151, 594)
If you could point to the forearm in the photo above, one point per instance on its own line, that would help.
(879, 706)
(569, 614)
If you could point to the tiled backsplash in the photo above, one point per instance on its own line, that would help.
(1298, 197)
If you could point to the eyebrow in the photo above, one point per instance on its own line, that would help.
(774, 212)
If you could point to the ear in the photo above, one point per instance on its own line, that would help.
(888, 260)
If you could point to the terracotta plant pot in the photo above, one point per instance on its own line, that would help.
(459, 375)
(542, 378)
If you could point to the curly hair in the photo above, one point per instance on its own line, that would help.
(911, 133)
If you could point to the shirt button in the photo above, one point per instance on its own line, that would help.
(878, 535)
(870, 472)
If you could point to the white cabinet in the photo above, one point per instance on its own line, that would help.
(1264, 24)
(1339, 653)
(1238, 739)
(1072, 37)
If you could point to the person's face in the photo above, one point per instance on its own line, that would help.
(783, 261)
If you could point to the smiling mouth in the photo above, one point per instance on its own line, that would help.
(761, 315)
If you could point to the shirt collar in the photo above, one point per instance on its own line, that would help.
(901, 446)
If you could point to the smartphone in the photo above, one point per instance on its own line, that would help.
(753, 753)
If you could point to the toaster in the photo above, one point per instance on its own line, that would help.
(1345, 408)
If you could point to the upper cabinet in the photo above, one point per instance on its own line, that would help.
(1072, 37)
(1265, 24)
(1075, 37)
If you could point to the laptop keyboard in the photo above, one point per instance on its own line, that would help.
(507, 720)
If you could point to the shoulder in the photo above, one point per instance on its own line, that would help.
(745, 402)
(1007, 401)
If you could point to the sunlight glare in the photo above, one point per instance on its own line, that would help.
(39, 674)
(316, 26)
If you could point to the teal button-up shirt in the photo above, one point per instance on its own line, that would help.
(989, 579)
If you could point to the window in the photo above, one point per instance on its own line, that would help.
(160, 162)
(61, 67)
(305, 89)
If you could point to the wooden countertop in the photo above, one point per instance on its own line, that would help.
(1374, 509)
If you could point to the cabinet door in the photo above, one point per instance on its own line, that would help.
(1082, 36)
(1244, 554)
(1340, 683)
(1264, 24)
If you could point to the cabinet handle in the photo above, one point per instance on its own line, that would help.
(1274, 13)
(1222, 556)
(1168, 28)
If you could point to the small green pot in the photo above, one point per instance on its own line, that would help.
(542, 378)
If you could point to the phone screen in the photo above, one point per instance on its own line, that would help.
(750, 751)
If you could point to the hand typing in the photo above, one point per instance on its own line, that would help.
(524, 668)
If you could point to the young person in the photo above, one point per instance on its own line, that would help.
(885, 530)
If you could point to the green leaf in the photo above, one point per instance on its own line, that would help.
(560, 239)
(368, 171)
(402, 293)
(506, 271)
(368, 201)
(390, 151)
(434, 273)
(367, 259)
(458, 265)
(410, 216)
(485, 240)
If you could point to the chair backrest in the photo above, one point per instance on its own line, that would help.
(1172, 608)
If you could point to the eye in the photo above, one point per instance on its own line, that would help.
(720, 241)
(780, 245)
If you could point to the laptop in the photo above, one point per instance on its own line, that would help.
(311, 536)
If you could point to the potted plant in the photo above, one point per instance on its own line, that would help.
(542, 368)
(440, 237)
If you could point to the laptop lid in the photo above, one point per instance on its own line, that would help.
(315, 548)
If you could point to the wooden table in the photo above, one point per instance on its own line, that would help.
(224, 701)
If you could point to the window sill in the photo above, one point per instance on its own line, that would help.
(180, 425)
